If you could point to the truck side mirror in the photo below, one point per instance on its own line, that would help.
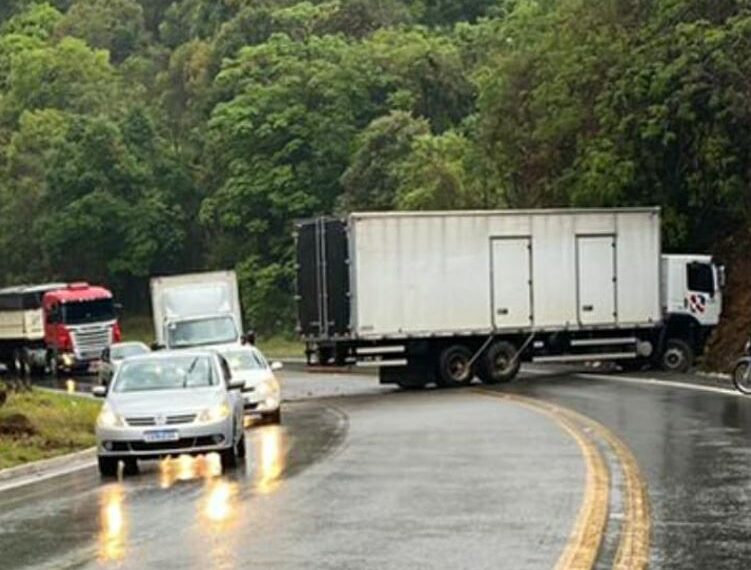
(722, 279)
(155, 347)
(250, 338)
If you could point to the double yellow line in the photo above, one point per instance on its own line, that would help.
(591, 523)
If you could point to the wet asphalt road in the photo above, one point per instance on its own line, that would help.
(361, 476)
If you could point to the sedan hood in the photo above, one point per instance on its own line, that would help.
(165, 401)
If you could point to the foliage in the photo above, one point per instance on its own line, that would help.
(156, 136)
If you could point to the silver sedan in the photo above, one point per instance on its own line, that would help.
(170, 403)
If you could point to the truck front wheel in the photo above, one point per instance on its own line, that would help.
(499, 364)
(677, 356)
(454, 367)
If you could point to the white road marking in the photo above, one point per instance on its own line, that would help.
(51, 474)
(647, 381)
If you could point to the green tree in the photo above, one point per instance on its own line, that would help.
(115, 25)
(372, 180)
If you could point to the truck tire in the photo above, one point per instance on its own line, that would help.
(499, 365)
(454, 367)
(677, 356)
(52, 366)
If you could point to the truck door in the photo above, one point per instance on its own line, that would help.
(511, 282)
(596, 279)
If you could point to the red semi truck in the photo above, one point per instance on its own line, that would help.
(55, 327)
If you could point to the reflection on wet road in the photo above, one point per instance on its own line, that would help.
(694, 448)
(78, 520)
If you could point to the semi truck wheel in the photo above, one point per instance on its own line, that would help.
(677, 356)
(499, 364)
(454, 367)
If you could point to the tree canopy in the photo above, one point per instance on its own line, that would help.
(142, 137)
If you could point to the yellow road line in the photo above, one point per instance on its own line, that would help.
(633, 546)
(584, 542)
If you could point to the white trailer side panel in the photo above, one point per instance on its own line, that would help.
(445, 273)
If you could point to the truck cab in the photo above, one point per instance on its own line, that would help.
(80, 322)
(692, 288)
(692, 304)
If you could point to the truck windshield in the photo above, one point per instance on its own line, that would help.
(80, 312)
(202, 332)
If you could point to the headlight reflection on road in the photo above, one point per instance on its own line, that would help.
(187, 468)
(271, 459)
(218, 507)
(113, 528)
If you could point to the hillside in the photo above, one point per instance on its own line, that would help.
(142, 137)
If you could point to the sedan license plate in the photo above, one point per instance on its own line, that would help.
(162, 435)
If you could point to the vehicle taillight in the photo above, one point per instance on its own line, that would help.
(64, 341)
(116, 333)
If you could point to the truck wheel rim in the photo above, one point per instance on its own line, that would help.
(502, 364)
(673, 358)
(458, 369)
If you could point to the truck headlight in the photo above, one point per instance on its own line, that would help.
(108, 418)
(214, 413)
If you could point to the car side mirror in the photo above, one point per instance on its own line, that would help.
(236, 384)
(276, 366)
(99, 391)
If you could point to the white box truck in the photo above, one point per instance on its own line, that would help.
(196, 310)
(445, 296)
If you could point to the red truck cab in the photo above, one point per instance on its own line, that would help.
(80, 322)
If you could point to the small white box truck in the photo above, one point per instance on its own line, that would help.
(196, 310)
(445, 296)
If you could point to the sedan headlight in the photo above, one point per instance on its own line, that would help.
(269, 387)
(215, 413)
(108, 418)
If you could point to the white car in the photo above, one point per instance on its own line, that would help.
(261, 390)
(115, 354)
(170, 403)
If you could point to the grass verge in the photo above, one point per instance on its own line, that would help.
(39, 425)
(137, 328)
(281, 347)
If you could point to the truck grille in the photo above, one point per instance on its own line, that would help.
(89, 344)
(147, 421)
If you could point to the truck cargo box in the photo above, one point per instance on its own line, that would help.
(427, 274)
(194, 295)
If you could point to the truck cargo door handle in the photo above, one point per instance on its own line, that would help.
(588, 308)
(503, 311)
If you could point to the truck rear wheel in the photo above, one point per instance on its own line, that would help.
(677, 356)
(454, 368)
(499, 364)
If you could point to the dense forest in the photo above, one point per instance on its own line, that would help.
(142, 137)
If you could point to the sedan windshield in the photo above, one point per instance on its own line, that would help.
(202, 332)
(183, 372)
(247, 359)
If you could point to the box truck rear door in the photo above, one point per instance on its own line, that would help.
(511, 282)
(596, 279)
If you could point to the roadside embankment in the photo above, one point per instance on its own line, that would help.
(40, 424)
(727, 341)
